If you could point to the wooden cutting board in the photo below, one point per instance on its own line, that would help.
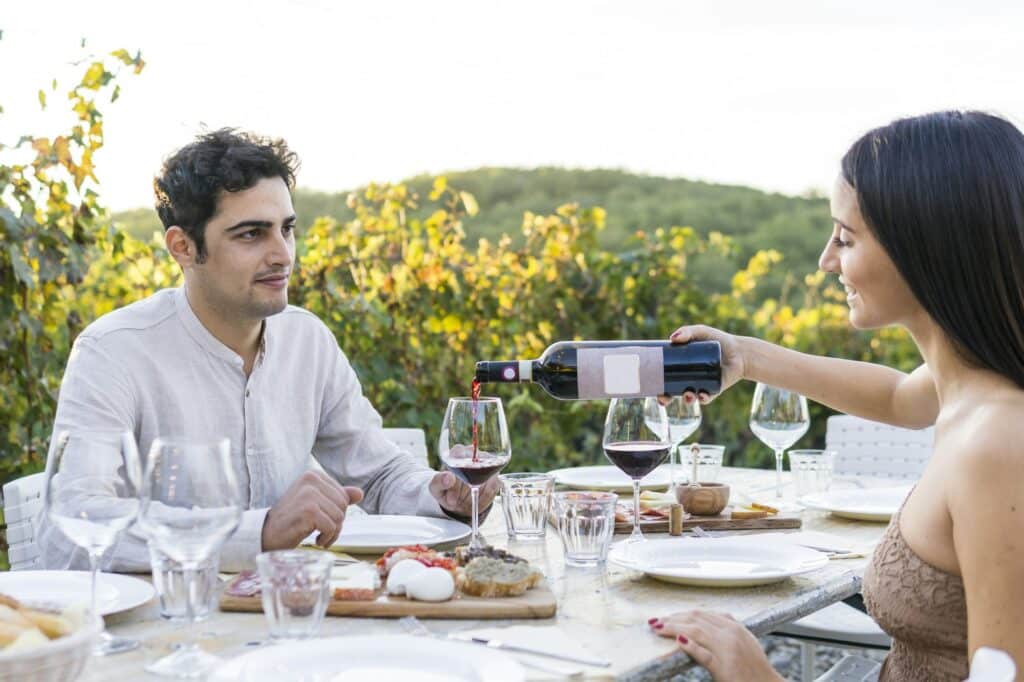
(536, 603)
(723, 521)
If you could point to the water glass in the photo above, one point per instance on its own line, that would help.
(525, 499)
(709, 461)
(586, 523)
(170, 582)
(812, 470)
(295, 585)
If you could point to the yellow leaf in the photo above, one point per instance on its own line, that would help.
(469, 202)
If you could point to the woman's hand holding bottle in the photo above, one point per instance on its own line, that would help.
(733, 361)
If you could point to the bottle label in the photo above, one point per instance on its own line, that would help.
(623, 372)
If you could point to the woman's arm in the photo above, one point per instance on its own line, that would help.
(985, 496)
(863, 389)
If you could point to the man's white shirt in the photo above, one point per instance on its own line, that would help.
(153, 369)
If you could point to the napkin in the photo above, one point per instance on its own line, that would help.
(548, 638)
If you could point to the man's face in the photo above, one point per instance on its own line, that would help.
(250, 248)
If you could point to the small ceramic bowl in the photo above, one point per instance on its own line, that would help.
(705, 499)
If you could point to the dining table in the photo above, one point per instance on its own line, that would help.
(603, 610)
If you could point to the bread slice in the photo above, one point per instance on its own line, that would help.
(490, 577)
(357, 582)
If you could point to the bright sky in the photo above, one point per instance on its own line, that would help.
(767, 94)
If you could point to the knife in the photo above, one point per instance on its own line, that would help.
(499, 644)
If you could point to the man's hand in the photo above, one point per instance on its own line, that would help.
(454, 496)
(314, 502)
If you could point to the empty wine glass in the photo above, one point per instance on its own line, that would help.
(191, 504)
(91, 495)
(636, 440)
(475, 446)
(683, 420)
(779, 419)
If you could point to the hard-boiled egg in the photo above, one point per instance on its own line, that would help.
(400, 574)
(433, 584)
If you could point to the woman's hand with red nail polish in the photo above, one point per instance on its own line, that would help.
(717, 642)
(733, 361)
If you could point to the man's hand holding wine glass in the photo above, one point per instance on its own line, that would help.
(455, 496)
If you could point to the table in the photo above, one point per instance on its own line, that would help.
(607, 611)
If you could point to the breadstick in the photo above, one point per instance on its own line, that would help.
(764, 508)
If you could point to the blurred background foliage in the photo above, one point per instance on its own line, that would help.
(420, 279)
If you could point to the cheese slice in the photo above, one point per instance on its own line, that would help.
(355, 582)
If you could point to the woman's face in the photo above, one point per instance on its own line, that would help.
(875, 291)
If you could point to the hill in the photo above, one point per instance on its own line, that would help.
(795, 226)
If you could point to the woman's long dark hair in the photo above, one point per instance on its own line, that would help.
(944, 195)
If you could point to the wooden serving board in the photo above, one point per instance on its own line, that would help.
(723, 521)
(536, 603)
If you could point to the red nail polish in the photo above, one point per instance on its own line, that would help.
(682, 639)
(658, 626)
(652, 621)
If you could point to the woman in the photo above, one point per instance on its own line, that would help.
(928, 234)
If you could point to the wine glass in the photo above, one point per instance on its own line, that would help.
(475, 446)
(636, 440)
(779, 419)
(191, 504)
(683, 419)
(91, 495)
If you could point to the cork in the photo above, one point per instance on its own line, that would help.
(675, 519)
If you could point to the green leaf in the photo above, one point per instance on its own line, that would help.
(22, 269)
(42, 99)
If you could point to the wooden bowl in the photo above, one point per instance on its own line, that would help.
(704, 499)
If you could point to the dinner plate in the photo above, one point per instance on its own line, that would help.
(863, 504)
(716, 562)
(376, 533)
(609, 478)
(114, 592)
(371, 657)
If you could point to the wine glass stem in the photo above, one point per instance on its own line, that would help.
(673, 461)
(94, 568)
(778, 473)
(636, 509)
(474, 495)
(190, 612)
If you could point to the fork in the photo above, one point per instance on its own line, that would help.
(414, 626)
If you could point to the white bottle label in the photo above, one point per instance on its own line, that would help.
(623, 372)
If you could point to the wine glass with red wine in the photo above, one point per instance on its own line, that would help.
(636, 439)
(475, 446)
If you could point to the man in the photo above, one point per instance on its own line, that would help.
(225, 355)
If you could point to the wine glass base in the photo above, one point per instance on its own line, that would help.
(184, 662)
(108, 645)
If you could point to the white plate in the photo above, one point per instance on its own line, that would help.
(114, 592)
(866, 504)
(368, 658)
(376, 533)
(716, 562)
(609, 478)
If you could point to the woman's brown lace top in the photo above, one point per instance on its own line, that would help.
(923, 609)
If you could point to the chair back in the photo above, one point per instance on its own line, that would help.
(413, 441)
(23, 501)
(868, 448)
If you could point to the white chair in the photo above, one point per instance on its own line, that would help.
(413, 441)
(864, 448)
(23, 500)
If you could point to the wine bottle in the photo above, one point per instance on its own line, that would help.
(593, 370)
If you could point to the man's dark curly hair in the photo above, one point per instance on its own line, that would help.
(225, 160)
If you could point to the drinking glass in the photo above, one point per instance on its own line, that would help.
(636, 440)
(191, 504)
(475, 446)
(812, 470)
(172, 592)
(526, 499)
(586, 523)
(779, 419)
(295, 587)
(683, 419)
(91, 495)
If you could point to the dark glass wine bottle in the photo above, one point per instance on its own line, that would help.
(593, 370)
